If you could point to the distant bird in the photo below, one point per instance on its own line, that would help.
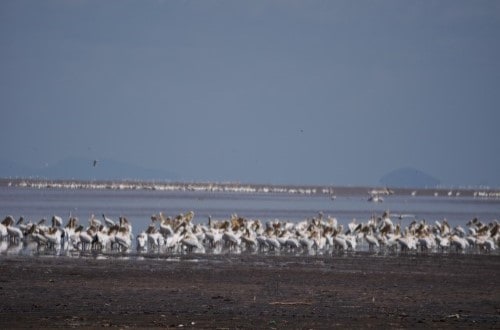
(95, 162)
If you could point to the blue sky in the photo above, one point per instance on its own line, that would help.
(304, 92)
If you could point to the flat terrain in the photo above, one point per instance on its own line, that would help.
(251, 291)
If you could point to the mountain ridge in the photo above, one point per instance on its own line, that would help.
(409, 177)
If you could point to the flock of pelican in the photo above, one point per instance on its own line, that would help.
(180, 234)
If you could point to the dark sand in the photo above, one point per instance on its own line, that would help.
(250, 291)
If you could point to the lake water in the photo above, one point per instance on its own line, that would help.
(139, 205)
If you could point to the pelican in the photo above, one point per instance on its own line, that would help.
(101, 239)
(57, 221)
(37, 237)
(15, 234)
(249, 240)
(460, 243)
(155, 240)
(141, 242)
(54, 238)
(292, 243)
(122, 238)
(273, 243)
(372, 241)
(351, 242)
(486, 243)
(375, 199)
(231, 239)
(306, 242)
(262, 242)
(407, 243)
(85, 239)
(353, 226)
(3, 246)
(93, 221)
(213, 236)
(191, 243)
(3, 232)
(108, 221)
(391, 241)
(426, 243)
(172, 241)
(443, 242)
(339, 242)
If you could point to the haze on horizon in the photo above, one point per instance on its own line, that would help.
(299, 92)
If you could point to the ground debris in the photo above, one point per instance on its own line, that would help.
(213, 293)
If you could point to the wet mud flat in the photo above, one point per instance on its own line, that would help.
(251, 291)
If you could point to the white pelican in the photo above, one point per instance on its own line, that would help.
(37, 237)
(172, 241)
(273, 243)
(70, 232)
(3, 232)
(460, 231)
(141, 242)
(15, 234)
(85, 239)
(375, 199)
(353, 226)
(292, 243)
(426, 243)
(191, 243)
(443, 242)
(122, 238)
(460, 243)
(54, 238)
(391, 240)
(3, 246)
(486, 243)
(155, 240)
(319, 241)
(231, 239)
(101, 239)
(249, 239)
(57, 221)
(306, 242)
(372, 241)
(93, 221)
(406, 243)
(262, 242)
(108, 221)
(339, 242)
(213, 236)
(351, 241)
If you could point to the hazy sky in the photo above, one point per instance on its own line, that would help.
(305, 92)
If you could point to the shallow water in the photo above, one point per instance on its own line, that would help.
(139, 205)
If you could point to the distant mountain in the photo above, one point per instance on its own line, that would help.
(409, 177)
(84, 169)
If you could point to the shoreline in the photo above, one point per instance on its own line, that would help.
(251, 291)
(236, 187)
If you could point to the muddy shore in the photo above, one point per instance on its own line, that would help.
(251, 291)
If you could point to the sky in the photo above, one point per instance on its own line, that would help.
(297, 92)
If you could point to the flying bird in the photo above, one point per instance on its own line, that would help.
(95, 162)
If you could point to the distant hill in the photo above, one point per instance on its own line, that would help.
(84, 169)
(409, 177)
